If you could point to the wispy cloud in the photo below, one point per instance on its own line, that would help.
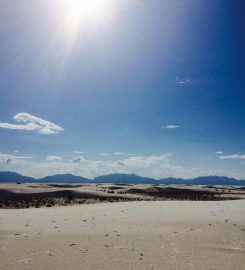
(171, 126)
(54, 158)
(156, 166)
(119, 153)
(182, 81)
(233, 156)
(32, 123)
(120, 163)
(102, 154)
(7, 158)
(77, 159)
(79, 152)
(219, 152)
(125, 154)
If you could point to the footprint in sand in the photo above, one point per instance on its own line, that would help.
(51, 252)
(72, 244)
(141, 256)
(176, 251)
(25, 261)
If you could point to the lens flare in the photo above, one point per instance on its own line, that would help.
(84, 10)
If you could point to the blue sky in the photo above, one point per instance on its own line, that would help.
(155, 86)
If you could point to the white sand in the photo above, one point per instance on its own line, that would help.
(127, 235)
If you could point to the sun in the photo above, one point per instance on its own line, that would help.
(84, 10)
(79, 19)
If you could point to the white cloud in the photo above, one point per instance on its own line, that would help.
(32, 123)
(102, 154)
(79, 152)
(119, 153)
(120, 163)
(77, 159)
(219, 152)
(182, 81)
(151, 166)
(233, 156)
(7, 158)
(125, 154)
(15, 151)
(171, 126)
(54, 158)
(155, 166)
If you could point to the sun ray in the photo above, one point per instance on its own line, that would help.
(84, 10)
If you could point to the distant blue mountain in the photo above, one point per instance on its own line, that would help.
(204, 180)
(124, 179)
(63, 178)
(12, 177)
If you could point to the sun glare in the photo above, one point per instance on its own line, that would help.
(79, 19)
(80, 10)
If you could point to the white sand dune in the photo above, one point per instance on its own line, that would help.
(126, 235)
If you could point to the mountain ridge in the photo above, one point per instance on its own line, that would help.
(13, 177)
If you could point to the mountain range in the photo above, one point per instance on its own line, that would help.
(13, 177)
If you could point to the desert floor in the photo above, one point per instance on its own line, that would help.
(125, 235)
(37, 195)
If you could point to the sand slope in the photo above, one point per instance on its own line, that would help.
(40, 195)
(126, 235)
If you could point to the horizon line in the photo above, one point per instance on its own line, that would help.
(91, 179)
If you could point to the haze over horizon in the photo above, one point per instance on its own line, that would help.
(154, 88)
